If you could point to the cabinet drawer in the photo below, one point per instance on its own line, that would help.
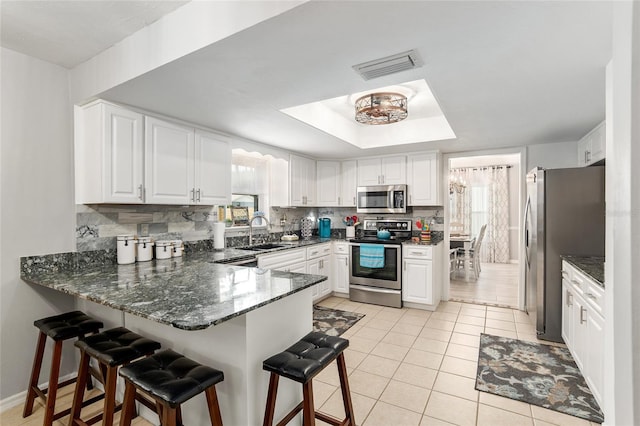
(594, 294)
(318, 250)
(266, 261)
(417, 252)
(341, 248)
(579, 282)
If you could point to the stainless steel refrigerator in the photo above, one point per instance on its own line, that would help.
(564, 215)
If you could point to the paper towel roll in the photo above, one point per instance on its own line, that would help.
(218, 235)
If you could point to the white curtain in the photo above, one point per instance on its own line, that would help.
(485, 200)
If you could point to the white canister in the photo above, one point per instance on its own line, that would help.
(144, 250)
(177, 248)
(126, 246)
(351, 231)
(164, 249)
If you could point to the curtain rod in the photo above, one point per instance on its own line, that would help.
(483, 168)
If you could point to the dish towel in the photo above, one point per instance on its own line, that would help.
(372, 255)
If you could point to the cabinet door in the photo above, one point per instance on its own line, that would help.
(298, 268)
(310, 178)
(349, 183)
(325, 269)
(417, 284)
(341, 273)
(394, 170)
(169, 164)
(122, 158)
(580, 335)
(594, 369)
(422, 182)
(301, 177)
(212, 169)
(567, 313)
(313, 267)
(328, 183)
(584, 148)
(598, 143)
(369, 172)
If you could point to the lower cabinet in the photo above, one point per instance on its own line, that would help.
(319, 263)
(341, 268)
(583, 325)
(421, 281)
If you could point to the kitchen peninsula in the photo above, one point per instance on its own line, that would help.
(228, 317)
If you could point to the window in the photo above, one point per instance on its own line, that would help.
(479, 207)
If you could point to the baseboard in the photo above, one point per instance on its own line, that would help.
(17, 399)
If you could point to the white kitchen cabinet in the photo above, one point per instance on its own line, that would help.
(382, 171)
(422, 180)
(319, 263)
(184, 166)
(341, 268)
(302, 181)
(328, 183)
(212, 169)
(108, 155)
(349, 183)
(421, 280)
(284, 260)
(583, 326)
(591, 148)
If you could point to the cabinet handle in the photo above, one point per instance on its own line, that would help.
(346, 261)
(354, 201)
(576, 282)
(588, 156)
(338, 200)
(140, 195)
(198, 195)
(564, 273)
(404, 265)
(417, 253)
(582, 310)
(591, 296)
(193, 195)
(569, 301)
(382, 178)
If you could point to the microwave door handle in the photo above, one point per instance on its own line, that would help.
(391, 201)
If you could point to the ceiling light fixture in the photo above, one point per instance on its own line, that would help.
(381, 108)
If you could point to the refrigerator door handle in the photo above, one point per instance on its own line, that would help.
(527, 216)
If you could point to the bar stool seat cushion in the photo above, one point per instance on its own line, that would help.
(117, 346)
(307, 357)
(68, 325)
(171, 376)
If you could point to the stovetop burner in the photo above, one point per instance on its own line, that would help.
(374, 240)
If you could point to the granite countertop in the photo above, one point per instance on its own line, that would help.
(190, 293)
(237, 253)
(433, 242)
(593, 266)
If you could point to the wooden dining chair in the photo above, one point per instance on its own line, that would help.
(474, 252)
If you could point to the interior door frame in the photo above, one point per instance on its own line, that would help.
(522, 197)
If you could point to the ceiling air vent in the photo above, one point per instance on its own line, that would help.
(389, 65)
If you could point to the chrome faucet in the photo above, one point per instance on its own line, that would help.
(251, 227)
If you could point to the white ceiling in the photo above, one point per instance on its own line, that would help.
(505, 73)
(68, 33)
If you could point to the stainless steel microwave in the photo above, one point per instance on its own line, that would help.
(382, 199)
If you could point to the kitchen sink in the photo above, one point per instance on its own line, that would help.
(260, 247)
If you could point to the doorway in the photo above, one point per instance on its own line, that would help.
(484, 208)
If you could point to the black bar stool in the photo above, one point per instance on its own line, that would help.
(170, 379)
(62, 327)
(300, 363)
(111, 349)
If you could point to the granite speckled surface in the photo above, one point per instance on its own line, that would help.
(593, 266)
(190, 293)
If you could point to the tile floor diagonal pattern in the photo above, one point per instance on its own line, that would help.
(407, 367)
(416, 368)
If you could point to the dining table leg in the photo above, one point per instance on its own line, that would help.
(467, 260)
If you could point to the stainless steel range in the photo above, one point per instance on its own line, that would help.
(380, 284)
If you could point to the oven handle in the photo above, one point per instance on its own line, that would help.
(383, 245)
(373, 289)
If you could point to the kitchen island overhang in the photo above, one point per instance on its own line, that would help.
(229, 317)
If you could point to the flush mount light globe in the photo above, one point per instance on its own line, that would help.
(381, 108)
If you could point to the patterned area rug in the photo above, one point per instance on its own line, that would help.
(538, 374)
(333, 322)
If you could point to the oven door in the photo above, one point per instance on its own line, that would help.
(385, 277)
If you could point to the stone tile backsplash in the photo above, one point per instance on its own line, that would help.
(98, 225)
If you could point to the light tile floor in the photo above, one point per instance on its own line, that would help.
(497, 284)
(414, 367)
(409, 367)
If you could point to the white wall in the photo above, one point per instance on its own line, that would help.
(622, 244)
(38, 212)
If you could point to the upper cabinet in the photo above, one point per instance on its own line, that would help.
(125, 157)
(109, 153)
(591, 148)
(302, 181)
(349, 184)
(336, 183)
(382, 171)
(422, 180)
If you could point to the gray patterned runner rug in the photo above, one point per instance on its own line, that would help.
(538, 374)
(333, 322)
